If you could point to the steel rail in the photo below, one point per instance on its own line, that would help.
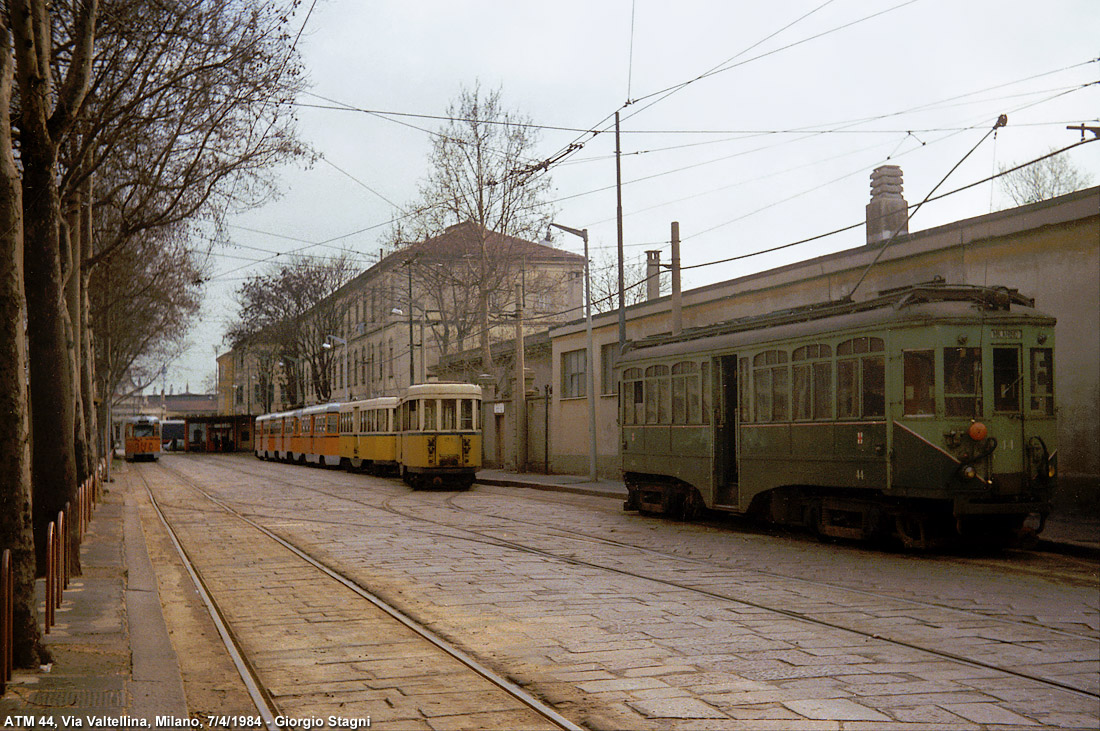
(263, 701)
(486, 673)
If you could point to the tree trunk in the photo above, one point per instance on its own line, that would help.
(53, 423)
(15, 475)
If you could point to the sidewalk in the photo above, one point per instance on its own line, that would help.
(112, 657)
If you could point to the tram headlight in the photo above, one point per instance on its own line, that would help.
(968, 472)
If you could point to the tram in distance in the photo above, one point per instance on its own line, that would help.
(430, 435)
(923, 414)
(141, 438)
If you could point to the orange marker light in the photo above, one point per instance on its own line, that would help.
(977, 431)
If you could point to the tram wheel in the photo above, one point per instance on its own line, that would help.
(692, 504)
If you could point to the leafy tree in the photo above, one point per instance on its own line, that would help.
(1043, 180)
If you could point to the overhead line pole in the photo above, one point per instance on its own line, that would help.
(619, 227)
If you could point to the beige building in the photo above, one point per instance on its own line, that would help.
(398, 318)
(1048, 250)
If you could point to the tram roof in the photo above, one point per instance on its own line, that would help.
(917, 303)
(441, 390)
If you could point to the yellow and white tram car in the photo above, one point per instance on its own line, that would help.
(141, 438)
(368, 435)
(439, 434)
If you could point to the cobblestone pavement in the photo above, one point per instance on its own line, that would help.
(318, 648)
(624, 621)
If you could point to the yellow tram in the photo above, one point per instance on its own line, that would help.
(439, 434)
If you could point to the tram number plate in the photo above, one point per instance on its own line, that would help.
(1008, 334)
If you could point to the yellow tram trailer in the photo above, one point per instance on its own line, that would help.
(368, 435)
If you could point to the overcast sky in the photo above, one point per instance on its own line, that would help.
(776, 148)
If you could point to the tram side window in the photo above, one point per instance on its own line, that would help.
(430, 411)
(1006, 379)
(687, 406)
(333, 425)
(861, 379)
(813, 382)
(771, 385)
(743, 389)
(467, 422)
(633, 397)
(1042, 380)
(657, 395)
(920, 382)
(962, 378)
(704, 393)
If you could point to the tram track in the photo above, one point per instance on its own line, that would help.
(263, 698)
(483, 535)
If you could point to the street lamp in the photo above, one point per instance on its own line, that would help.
(589, 356)
(327, 345)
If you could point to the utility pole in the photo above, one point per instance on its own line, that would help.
(412, 360)
(619, 227)
(520, 393)
(677, 300)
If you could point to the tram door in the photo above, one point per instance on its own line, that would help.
(725, 430)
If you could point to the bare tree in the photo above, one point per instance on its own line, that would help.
(48, 103)
(16, 530)
(285, 314)
(143, 299)
(189, 107)
(605, 282)
(1045, 179)
(474, 177)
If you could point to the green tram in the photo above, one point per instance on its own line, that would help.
(924, 413)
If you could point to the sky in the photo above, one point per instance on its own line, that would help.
(806, 98)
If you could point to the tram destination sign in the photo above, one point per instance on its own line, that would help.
(1008, 334)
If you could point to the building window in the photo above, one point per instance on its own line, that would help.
(574, 366)
(609, 356)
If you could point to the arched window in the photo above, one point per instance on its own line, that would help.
(657, 395)
(687, 391)
(860, 378)
(633, 395)
(812, 381)
(771, 385)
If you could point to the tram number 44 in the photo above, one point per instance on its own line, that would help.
(29, 722)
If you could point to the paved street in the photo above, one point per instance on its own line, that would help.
(624, 621)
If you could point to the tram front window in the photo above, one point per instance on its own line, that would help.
(144, 430)
(962, 377)
(1006, 379)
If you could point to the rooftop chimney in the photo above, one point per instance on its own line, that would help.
(652, 275)
(887, 213)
